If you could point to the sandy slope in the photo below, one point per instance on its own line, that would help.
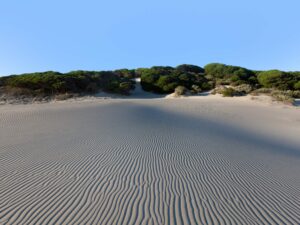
(150, 161)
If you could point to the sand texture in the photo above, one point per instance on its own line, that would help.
(150, 161)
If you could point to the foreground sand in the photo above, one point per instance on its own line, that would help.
(150, 161)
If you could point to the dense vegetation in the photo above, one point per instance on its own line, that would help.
(232, 75)
(196, 79)
(279, 79)
(223, 74)
(166, 79)
(159, 79)
(282, 86)
(53, 83)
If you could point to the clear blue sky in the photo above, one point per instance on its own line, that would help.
(64, 35)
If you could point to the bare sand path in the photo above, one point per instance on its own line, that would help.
(150, 161)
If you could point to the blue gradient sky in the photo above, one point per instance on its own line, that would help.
(66, 35)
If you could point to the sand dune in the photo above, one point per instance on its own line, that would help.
(151, 161)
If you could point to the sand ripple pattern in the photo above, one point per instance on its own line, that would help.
(129, 163)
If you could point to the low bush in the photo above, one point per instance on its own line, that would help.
(286, 97)
(230, 92)
(244, 88)
(195, 89)
(283, 96)
(180, 90)
(296, 94)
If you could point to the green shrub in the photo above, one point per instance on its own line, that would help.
(230, 92)
(54, 83)
(226, 74)
(46, 82)
(187, 68)
(125, 87)
(166, 79)
(297, 85)
(125, 73)
(277, 79)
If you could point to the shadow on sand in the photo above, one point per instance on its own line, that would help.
(197, 128)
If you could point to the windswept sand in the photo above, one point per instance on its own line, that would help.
(150, 161)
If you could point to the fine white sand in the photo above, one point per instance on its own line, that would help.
(150, 161)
